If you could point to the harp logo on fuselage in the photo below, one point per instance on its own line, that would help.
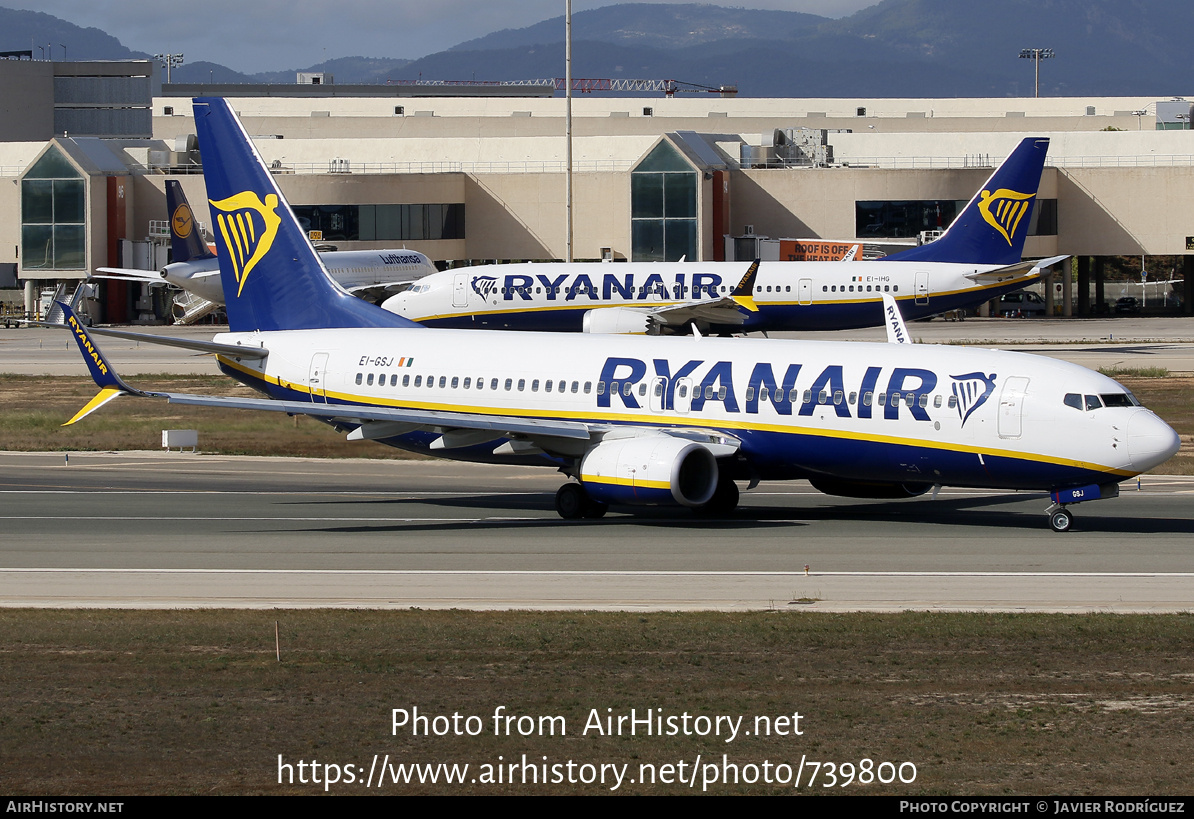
(972, 391)
(484, 285)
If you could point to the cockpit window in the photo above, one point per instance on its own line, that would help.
(1116, 399)
(1093, 403)
(1073, 399)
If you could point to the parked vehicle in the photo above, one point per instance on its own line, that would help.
(1128, 305)
(1021, 304)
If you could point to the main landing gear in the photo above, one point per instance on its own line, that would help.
(724, 500)
(574, 503)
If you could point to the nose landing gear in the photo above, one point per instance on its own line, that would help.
(1060, 518)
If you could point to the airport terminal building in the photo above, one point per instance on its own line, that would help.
(475, 174)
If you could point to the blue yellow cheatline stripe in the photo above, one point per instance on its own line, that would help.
(637, 483)
(676, 421)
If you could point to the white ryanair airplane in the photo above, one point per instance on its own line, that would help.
(640, 421)
(978, 258)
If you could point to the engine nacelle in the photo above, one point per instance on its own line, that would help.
(868, 489)
(653, 470)
(620, 320)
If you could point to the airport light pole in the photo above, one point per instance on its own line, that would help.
(168, 61)
(568, 129)
(1036, 55)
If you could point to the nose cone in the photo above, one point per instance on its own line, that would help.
(1151, 441)
(395, 304)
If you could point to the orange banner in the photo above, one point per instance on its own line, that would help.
(794, 250)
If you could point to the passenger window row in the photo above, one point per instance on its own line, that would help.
(468, 383)
(841, 288)
(626, 388)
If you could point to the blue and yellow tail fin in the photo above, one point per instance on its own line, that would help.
(272, 277)
(992, 227)
(186, 242)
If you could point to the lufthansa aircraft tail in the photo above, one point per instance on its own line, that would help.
(992, 227)
(272, 277)
(186, 243)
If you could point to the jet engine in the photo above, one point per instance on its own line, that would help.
(652, 470)
(868, 489)
(618, 320)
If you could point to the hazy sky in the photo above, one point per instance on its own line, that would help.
(264, 35)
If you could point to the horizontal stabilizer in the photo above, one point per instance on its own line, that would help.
(211, 347)
(1013, 271)
(128, 274)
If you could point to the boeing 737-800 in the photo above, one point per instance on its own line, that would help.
(632, 420)
(976, 259)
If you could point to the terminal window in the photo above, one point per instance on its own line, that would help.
(903, 219)
(663, 207)
(383, 223)
(53, 215)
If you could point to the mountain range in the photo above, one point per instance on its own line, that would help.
(905, 48)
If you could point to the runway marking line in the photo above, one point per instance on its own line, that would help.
(603, 573)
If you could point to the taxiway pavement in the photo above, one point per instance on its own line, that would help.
(146, 529)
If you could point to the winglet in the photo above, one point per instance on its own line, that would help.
(105, 377)
(104, 396)
(893, 319)
(743, 293)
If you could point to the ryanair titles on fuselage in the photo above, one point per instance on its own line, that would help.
(907, 389)
(566, 288)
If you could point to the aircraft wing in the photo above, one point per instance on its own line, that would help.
(416, 418)
(377, 293)
(897, 331)
(725, 310)
(1012, 271)
(715, 311)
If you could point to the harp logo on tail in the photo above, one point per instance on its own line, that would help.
(249, 227)
(1004, 209)
(972, 391)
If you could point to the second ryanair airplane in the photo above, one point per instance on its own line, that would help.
(639, 421)
(976, 259)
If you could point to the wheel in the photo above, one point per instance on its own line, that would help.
(1060, 520)
(595, 510)
(724, 500)
(571, 501)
